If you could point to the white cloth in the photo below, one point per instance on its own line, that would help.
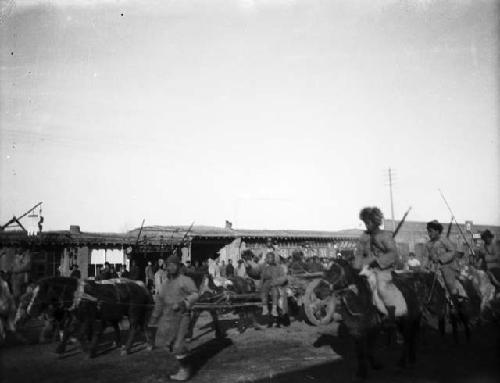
(242, 271)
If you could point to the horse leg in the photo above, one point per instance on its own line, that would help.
(130, 339)
(371, 339)
(116, 328)
(61, 347)
(360, 348)
(95, 339)
(403, 326)
(442, 326)
(465, 320)
(454, 326)
(413, 337)
(148, 334)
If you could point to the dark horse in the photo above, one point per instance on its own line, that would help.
(98, 306)
(354, 302)
(54, 297)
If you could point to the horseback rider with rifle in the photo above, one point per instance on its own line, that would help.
(442, 257)
(377, 250)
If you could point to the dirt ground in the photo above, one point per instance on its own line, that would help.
(299, 353)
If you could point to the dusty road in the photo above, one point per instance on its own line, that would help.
(299, 353)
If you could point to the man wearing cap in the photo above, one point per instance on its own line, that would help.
(489, 255)
(177, 295)
(441, 256)
(377, 250)
(272, 277)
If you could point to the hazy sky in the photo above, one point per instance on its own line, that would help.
(268, 113)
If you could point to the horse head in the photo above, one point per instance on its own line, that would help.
(50, 294)
(341, 274)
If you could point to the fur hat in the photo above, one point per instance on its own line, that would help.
(486, 234)
(373, 214)
(435, 225)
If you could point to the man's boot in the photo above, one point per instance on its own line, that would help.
(265, 310)
(184, 372)
(274, 311)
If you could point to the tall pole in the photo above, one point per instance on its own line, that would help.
(392, 202)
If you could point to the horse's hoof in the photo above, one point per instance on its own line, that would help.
(124, 352)
(149, 348)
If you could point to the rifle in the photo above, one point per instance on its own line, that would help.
(400, 224)
(449, 228)
(459, 228)
(140, 232)
(186, 233)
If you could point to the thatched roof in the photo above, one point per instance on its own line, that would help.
(176, 233)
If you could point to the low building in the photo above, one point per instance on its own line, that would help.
(413, 234)
(54, 252)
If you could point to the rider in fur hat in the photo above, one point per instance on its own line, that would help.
(377, 249)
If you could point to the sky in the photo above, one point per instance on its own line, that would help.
(272, 114)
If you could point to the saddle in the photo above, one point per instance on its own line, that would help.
(398, 295)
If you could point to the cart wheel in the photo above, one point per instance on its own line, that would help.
(318, 311)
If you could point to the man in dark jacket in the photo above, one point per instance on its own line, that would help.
(229, 269)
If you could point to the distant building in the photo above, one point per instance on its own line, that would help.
(54, 252)
(414, 235)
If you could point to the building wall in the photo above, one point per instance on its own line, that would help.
(284, 248)
(414, 234)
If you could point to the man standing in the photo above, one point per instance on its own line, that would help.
(489, 254)
(377, 249)
(150, 276)
(160, 276)
(272, 277)
(441, 257)
(20, 270)
(105, 273)
(229, 269)
(172, 314)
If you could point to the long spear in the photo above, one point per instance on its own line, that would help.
(456, 223)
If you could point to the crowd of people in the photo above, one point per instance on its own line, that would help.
(176, 293)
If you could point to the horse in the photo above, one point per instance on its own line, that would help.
(354, 302)
(106, 303)
(88, 307)
(53, 297)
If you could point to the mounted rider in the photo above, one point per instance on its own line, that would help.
(377, 250)
(489, 256)
(442, 257)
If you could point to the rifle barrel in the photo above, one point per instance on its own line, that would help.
(458, 226)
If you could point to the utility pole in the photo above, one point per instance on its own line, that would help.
(392, 201)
